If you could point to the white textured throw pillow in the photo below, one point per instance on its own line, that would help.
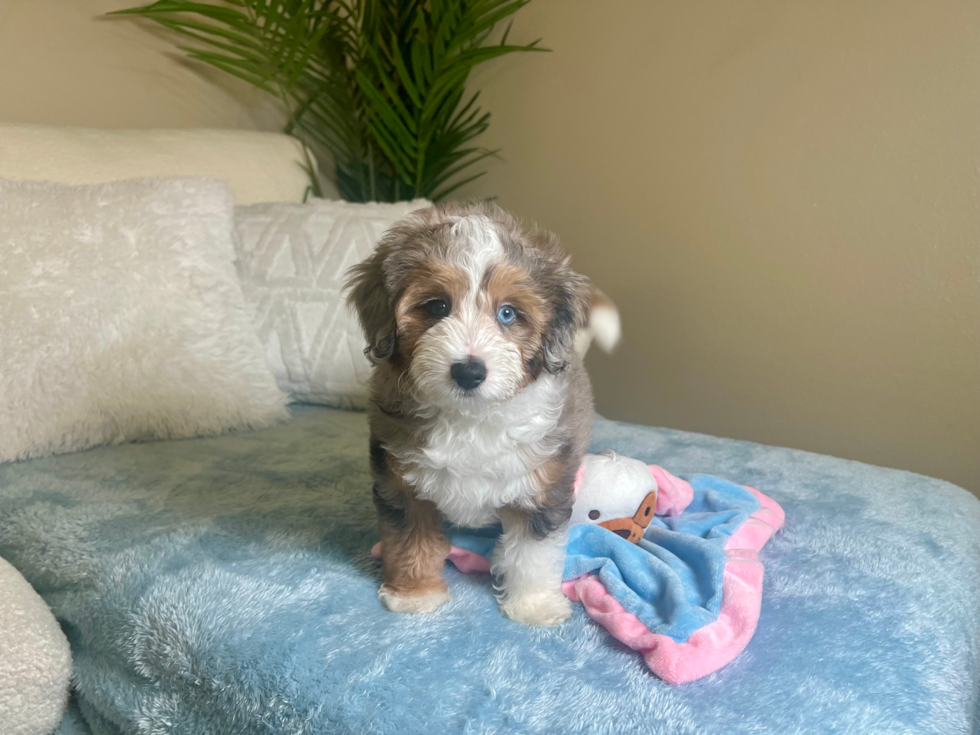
(121, 317)
(293, 260)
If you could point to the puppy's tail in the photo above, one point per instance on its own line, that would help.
(604, 325)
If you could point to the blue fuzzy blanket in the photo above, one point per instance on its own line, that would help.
(221, 586)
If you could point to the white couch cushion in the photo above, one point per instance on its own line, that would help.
(259, 167)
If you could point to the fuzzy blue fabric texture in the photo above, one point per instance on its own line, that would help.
(221, 586)
(672, 578)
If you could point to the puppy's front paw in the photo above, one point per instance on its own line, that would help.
(424, 603)
(541, 608)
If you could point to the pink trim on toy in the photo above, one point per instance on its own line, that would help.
(673, 493)
(466, 561)
(716, 644)
(760, 526)
(709, 648)
(772, 509)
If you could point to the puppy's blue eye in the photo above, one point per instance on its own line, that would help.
(506, 314)
(436, 308)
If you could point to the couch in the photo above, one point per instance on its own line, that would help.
(224, 585)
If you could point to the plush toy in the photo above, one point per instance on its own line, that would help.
(688, 598)
(615, 492)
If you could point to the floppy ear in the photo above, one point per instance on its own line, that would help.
(375, 311)
(571, 304)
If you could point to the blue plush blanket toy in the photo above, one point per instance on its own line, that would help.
(669, 567)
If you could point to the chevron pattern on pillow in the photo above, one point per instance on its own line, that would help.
(292, 261)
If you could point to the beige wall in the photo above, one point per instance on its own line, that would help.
(781, 196)
(63, 63)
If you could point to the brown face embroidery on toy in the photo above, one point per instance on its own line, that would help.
(632, 529)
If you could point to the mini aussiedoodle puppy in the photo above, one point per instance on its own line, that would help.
(480, 405)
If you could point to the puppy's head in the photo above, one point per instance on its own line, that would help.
(468, 304)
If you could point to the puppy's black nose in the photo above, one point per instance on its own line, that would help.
(469, 374)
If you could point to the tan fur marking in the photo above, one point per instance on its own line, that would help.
(435, 280)
(547, 475)
(509, 284)
(599, 299)
(413, 556)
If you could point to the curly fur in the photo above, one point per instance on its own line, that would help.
(503, 451)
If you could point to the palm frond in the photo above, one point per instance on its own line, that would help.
(379, 85)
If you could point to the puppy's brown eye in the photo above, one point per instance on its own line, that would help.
(436, 308)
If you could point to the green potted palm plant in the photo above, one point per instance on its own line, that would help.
(378, 86)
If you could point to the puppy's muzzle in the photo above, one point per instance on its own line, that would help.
(469, 373)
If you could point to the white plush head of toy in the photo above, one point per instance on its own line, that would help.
(615, 492)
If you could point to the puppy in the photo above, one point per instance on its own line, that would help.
(480, 407)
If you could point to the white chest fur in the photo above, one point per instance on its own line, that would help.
(471, 465)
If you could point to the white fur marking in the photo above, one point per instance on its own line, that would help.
(429, 602)
(531, 571)
(480, 247)
(473, 463)
(604, 327)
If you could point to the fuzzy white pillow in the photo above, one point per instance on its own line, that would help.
(293, 260)
(122, 318)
